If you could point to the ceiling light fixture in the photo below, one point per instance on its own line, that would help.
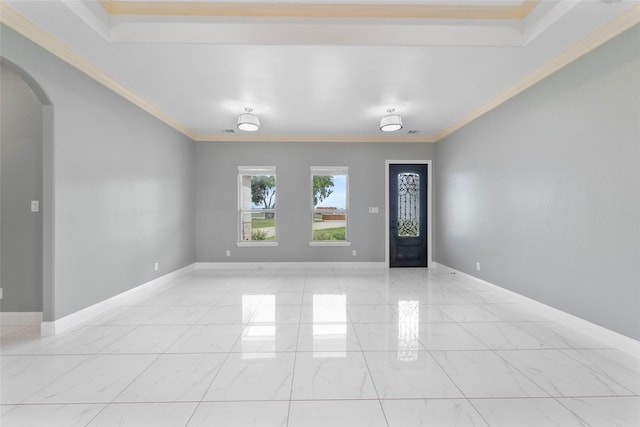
(248, 122)
(391, 122)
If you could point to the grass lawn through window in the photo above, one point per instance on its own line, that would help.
(338, 233)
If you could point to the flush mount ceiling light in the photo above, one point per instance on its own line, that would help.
(391, 122)
(248, 122)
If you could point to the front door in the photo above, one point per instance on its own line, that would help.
(408, 215)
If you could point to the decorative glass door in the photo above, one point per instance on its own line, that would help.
(407, 215)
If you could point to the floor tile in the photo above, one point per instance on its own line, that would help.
(392, 297)
(174, 378)
(503, 336)
(30, 374)
(287, 314)
(200, 298)
(439, 297)
(288, 298)
(132, 315)
(342, 413)
(241, 414)
(87, 340)
(560, 375)
(485, 374)
(432, 314)
(365, 298)
(468, 313)
(144, 415)
(606, 411)
(387, 336)
(6, 408)
(259, 338)
(382, 313)
(324, 311)
(24, 343)
(433, 412)
(620, 367)
(409, 375)
(330, 347)
(6, 360)
(332, 376)
(224, 314)
(207, 339)
(6, 330)
(556, 337)
(253, 376)
(50, 415)
(147, 339)
(188, 315)
(526, 413)
(447, 336)
(514, 312)
(98, 380)
(327, 337)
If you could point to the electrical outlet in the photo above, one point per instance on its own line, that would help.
(35, 206)
(478, 265)
(354, 252)
(155, 266)
(1, 294)
(228, 252)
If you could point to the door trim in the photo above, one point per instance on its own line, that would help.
(429, 206)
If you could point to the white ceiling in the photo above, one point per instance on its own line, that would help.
(315, 77)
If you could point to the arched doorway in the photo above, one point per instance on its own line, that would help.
(26, 203)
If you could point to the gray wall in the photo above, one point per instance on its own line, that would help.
(217, 198)
(544, 191)
(123, 186)
(21, 182)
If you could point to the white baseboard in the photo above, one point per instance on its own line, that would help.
(19, 318)
(80, 317)
(607, 336)
(286, 265)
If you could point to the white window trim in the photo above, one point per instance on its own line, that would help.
(254, 171)
(323, 171)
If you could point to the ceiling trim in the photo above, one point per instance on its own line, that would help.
(32, 31)
(316, 138)
(602, 35)
(317, 10)
(46, 40)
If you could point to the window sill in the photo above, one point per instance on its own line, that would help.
(329, 243)
(256, 244)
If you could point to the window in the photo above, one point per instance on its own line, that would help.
(257, 206)
(330, 206)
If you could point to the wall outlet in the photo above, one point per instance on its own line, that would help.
(35, 206)
(478, 265)
(354, 252)
(155, 266)
(228, 252)
(373, 210)
(1, 293)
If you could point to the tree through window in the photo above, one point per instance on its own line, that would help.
(330, 203)
(257, 203)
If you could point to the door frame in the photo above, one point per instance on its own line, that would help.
(429, 205)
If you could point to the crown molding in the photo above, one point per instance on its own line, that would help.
(32, 31)
(602, 35)
(47, 41)
(318, 10)
(242, 137)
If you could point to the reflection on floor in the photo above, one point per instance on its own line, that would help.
(304, 348)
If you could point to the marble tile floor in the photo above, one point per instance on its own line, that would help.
(317, 347)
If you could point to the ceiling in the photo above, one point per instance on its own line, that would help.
(314, 70)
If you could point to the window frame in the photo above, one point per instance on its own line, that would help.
(330, 171)
(255, 171)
